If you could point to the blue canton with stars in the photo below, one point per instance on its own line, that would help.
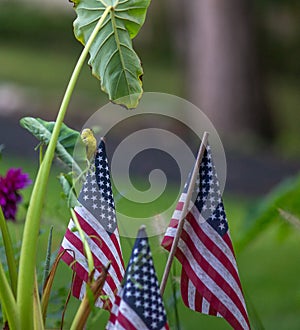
(141, 288)
(207, 196)
(96, 194)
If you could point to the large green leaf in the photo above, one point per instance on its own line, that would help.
(285, 196)
(68, 137)
(112, 57)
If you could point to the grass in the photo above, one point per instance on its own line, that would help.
(268, 267)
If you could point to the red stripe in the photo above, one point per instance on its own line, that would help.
(198, 298)
(212, 273)
(114, 312)
(76, 266)
(78, 269)
(184, 287)
(210, 296)
(122, 319)
(167, 242)
(179, 206)
(76, 288)
(228, 241)
(116, 242)
(101, 243)
(77, 281)
(213, 248)
(81, 275)
(75, 241)
(212, 311)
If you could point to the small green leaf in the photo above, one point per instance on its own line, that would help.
(113, 59)
(68, 189)
(67, 140)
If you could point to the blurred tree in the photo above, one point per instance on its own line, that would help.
(222, 68)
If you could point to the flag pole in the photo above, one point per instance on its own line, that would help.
(184, 212)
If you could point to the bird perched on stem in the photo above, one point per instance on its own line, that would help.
(90, 142)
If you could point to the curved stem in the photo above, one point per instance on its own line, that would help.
(87, 250)
(8, 301)
(9, 251)
(32, 224)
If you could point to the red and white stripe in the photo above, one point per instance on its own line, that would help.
(123, 317)
(209, 281)
(104, 247)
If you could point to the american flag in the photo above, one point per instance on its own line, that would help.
(139, 305)
(97, 218)
(210, 282)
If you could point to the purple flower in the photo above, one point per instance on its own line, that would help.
(9, 191)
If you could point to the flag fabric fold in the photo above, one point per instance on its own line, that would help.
(97, 218)
(210, 281)
(139, 305)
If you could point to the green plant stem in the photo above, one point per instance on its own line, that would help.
(8, 301)
(32, 224)
(48, 257)
(86, 247)
(41, 153)
(12, 268)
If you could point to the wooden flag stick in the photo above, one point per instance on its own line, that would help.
(184, 213)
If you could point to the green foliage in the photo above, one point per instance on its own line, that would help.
(113, 58)
(285, 196)
(67, 140)
(66, 181)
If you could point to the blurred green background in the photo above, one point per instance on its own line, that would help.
(37, 54)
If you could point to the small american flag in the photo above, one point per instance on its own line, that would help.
(96, 215)
(139, 305)
(210, 282)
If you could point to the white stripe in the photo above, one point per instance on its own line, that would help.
(116, 326)
(205, 306)
(177, 213)
(131, 316)
(211, 285)
(94, 223)
(218, 241)
(80, 258)
(99, 254)
(209, 231)
(111, 326)
(212, 260)
(191, 295)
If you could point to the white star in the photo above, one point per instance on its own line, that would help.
(154, 324)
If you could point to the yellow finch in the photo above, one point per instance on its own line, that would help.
(90, 142)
